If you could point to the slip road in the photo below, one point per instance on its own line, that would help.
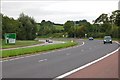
(53, 64)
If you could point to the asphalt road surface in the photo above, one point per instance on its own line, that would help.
(53, 64)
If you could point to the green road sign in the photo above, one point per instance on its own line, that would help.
(10, 38)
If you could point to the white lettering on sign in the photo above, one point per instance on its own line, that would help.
(11, 40)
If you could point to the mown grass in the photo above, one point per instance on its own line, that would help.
(23, 51)
(19, 43)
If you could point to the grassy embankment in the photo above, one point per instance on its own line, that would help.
(32, 50)
(54, 35)
(19, 43)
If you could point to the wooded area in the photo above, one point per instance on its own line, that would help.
(27, 28)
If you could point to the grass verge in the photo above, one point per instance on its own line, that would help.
(19, 43)
(23, 51)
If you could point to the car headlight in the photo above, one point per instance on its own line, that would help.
(110, 40)
(104, 40)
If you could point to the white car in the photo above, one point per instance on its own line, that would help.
(91, 38)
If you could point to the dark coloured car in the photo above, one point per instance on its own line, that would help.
(107, 39)
(91, 38)
(49, 41)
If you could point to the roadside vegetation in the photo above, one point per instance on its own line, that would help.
(19, 43)
(32, 50)
(26, 28)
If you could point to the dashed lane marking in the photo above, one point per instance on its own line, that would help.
(42, 60)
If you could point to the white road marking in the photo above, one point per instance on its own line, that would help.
(31, 55)
(42, 60)
(86, 65)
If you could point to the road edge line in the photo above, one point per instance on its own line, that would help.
(88, 64)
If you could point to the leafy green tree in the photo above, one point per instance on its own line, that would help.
(108, 25)
(103, 18)
(9, 25)
(28, 28)
(81, 31)
(117, 20)
(68, 25)
(46, 27)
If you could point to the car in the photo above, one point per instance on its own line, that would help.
(49, 41)
(91, 38)
(107, 39)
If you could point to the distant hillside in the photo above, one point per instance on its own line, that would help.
(59, 27)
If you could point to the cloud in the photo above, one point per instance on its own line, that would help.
(59, 11)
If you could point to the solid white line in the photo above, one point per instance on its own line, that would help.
(42, 53)
(84, 66)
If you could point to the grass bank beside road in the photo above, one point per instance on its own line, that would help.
(32, 50)
(19, 43)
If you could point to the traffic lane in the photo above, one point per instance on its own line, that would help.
(33, 63)
(17, 66)
(39, 56)
(55, 65)
(32, 60)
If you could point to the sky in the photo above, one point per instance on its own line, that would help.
(58, 11)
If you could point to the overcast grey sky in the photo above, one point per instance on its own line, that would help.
(59, 11)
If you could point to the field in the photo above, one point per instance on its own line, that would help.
(32, 50)
(58, 27)
(19, 43)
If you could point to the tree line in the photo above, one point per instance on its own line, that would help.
(108, 24)
(27, 28)
(105, 24)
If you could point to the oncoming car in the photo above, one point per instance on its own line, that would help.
(107, 39)
(91, 38)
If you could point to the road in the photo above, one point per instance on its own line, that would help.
(56, 63)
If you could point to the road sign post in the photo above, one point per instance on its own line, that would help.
(10, 38)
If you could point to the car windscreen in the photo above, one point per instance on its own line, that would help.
(107, 38)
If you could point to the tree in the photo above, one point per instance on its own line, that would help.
(27, 29)
(9, 25)
(68, 25)
(116, 17)
(108, 25)
(103, 18)
(46, 27)
(81, 30)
